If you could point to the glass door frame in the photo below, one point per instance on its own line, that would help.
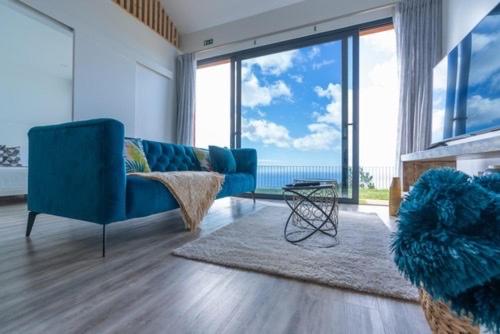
(337, 35)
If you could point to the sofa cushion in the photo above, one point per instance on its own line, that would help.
(203, 156)
(237, 183)
(146, 197)
(164, 157)
(222, 159)
(133, 153)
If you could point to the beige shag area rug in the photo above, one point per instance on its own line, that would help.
(360, 261)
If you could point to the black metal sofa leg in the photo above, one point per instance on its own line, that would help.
(31, 220)
(103, 240)
(253, 196)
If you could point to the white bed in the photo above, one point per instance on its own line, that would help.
(13, 181)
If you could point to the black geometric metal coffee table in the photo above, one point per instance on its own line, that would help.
(314, 205)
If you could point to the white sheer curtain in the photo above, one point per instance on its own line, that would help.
(419, 34)
(186, 98)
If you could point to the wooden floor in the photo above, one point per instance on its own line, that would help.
(56, 282)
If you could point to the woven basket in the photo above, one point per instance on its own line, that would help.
(442, 320)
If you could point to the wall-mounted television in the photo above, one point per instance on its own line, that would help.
(466, 84)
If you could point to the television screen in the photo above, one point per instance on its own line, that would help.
(466, 90)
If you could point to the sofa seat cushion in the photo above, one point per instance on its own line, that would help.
(237, 183)
(146, 197)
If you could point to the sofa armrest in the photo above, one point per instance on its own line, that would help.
(246, 161)
(77, 170)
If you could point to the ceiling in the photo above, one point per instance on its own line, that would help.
(195, 15)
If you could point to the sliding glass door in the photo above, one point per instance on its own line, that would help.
(297, 108)
(297, 103)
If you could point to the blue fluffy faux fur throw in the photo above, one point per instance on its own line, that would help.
(448, 241)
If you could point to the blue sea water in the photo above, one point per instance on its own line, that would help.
(269, 177)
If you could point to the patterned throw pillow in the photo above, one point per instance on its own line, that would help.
(203, 156)
(10, 156)
(3, 154)
(135, 159)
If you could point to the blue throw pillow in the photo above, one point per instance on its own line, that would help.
(222, 159)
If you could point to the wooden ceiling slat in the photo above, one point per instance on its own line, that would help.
(152, 14)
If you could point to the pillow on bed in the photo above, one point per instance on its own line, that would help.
(10, 156)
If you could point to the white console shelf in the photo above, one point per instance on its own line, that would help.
(414, 164)
(481, 148)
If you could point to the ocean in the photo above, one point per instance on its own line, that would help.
(271, 177)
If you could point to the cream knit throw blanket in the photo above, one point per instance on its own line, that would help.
(194, 191)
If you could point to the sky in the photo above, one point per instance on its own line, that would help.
(291, 104)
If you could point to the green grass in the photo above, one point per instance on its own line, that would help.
(377, 194)
(365, 194)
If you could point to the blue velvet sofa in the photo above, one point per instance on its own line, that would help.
(77, 170)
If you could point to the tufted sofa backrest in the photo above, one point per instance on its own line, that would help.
(164, 157)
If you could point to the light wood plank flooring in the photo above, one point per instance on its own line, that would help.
(56, 282)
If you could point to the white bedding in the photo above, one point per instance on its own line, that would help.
(13, 181)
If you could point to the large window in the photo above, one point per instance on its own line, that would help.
(304, 105)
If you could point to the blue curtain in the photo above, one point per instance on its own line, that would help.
(186, 98)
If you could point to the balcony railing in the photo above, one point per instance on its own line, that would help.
(374, 181)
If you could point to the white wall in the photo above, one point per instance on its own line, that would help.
(475, 166)
(460, 16)
(36, 73)
(108, 44)
(152, 98)
(286, 23)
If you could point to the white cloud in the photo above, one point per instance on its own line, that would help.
(275, 64)
(267, 132)
(495, 83)
(261, 113)
(254, 94)
(317, 66)
(440, 75)
(381, 44)
(378, 99)
(482, 110)
(333, 114)
(322, 137)
(485, 63)
(437, 124)
(297, 78)
(480, 41)
(315, 50)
